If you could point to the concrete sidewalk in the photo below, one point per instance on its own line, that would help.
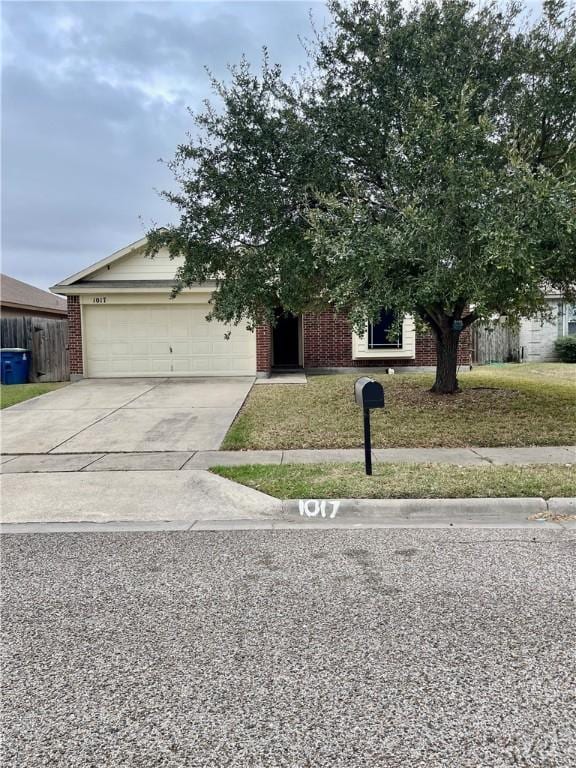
(175, 500)
(194, 460)
(120, 497)
(174, 491)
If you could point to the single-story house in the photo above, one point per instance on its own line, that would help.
(18, 299)
(123, 322)
(537, 337)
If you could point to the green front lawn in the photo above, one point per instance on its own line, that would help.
(403, 481)
(524, 404)
(10, 394)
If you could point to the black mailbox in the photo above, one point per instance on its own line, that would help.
(369, 393)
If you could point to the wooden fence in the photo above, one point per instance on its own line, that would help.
(47, 340)
(495, 343)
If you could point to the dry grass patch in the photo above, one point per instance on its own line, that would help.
(499, 405)
(404, 481)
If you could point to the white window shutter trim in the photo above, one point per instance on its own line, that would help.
(408, 351)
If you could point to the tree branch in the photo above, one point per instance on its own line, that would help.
(425, 315)
(469, 319)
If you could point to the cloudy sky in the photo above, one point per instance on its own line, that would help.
(94, 93)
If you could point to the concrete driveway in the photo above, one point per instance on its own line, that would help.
(126, 415)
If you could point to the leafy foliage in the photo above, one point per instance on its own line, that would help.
(566, 349)
(425, 164)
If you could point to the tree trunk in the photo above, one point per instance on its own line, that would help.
(446, 362)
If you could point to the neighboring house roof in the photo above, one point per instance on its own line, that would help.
(18, 295)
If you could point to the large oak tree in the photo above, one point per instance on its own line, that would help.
(424, 163)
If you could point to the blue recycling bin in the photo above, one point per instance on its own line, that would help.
(14, 365)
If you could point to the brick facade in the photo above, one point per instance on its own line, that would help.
(327, 341)
(263, 349)
(75, 336)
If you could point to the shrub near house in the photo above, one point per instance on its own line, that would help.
(566, 349)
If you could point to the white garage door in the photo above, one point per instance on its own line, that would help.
(163, 340)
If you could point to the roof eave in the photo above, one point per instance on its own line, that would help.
(35, 308)
(106, 287)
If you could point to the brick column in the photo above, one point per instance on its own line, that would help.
(263, 350)
(327, 338)
(465, 348)
(75, 338)
(426, 349)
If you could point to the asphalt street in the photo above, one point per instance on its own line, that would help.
(412, 648)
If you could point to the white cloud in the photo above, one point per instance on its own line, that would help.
(94, 93)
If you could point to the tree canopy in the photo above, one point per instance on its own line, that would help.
(424, 163)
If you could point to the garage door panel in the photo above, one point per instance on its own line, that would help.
(133, 340)
(184, 365)
(158, 348)
(221, 363)
(140, 364)
(158, 366)
(117, 365)
(200, 347)
(135, 331)
(99, 349)
(182, 348)
(120, 349)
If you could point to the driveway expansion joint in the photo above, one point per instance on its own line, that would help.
(484, 459)
(111, 413)
(114, 415)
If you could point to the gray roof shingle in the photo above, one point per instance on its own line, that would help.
(15, 293)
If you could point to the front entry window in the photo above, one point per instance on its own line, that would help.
(380, 334)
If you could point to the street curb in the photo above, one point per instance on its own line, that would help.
(533, 512)
(421, 510)
(562, 506)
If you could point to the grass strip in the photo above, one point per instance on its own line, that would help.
(11, 394)
(404, 481)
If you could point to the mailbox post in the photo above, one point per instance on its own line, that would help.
(368, 394)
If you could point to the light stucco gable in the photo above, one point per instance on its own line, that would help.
(137, 266)
(126, 270)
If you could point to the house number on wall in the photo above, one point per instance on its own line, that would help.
(99, 300)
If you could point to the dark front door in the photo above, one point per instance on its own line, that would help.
(285, 341)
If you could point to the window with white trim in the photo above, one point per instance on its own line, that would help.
(380, 341)
(381, 334)
(570, 319)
